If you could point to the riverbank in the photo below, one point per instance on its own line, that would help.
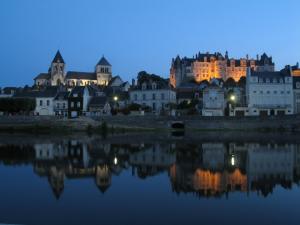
(121, 124)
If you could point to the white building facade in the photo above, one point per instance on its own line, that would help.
(270, 93)
(213, 101)
(153, 96)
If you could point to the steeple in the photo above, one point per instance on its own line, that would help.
(57, 70)
(58, 58)
(103, 62)
(103, 71)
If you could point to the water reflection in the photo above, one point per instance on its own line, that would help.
(205, 169)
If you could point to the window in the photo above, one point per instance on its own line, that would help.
(78, 104)
(57, 105)
(275, 92)
(153, 96)
(162, 96)
(297, 84)
(48, 102)
(64, 105)
(144, 86)
(153, 106)
(144, 96)
(41, 102)
(72, 104)
(135, 97)
(154, 86)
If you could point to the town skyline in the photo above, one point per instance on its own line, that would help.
(136, 36)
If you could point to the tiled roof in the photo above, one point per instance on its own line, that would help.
(58, 58)
(81, 75)
(98, 101)
(46, 76)
(62, 95)
(103, 62)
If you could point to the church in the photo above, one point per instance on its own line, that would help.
(57, 76)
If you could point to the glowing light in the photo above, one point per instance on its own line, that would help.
(115, 160)
(116, 98)
(232, 97)
(232, 161)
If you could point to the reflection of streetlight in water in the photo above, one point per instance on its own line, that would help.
(232, 160)
(115, 160)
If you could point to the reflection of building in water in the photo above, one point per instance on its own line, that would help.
(246, 167)
(56, 178)
(207, 169)
(269, 165)
(297, 163)
(152, 160)
(103, 177)
(213, 156)
(210, 183)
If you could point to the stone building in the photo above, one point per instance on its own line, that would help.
(213, 101)
(152, 91)
(296, 86)
(208, 66)
(270, 93)
(57, 76)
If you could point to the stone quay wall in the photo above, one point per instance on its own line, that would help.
(290, 123)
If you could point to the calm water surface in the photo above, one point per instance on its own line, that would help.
(91, 181)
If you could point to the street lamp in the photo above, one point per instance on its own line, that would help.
(116, 98)
(232, 98)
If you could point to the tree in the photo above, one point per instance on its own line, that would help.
(242, 82)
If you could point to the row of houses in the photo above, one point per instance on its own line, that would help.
(264, 93)
(261, 92)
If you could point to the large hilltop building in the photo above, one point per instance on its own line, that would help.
(56, 74)
(208, 66)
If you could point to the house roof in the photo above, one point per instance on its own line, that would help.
(10, 90)
(48, 93)
(58, 58)
(81, 75)
(43, 76)
(98, 101)
(267, 74)
(103, 62)
(114, 79)
(62, 95)
(26, 94)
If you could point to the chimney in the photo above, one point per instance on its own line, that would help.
(247, 56)
(133, 82)
(297, 65)
(257, 57)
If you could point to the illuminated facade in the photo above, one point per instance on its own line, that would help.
(57, 76)
(208, 66)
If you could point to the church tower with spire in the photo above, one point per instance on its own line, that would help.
(103, 71)
(57, 70)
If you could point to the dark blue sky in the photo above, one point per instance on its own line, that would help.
(139, 35)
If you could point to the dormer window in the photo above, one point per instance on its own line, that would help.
(144, 86)
(297, 85)
(267, 80)
(281, 81)
(274, 80)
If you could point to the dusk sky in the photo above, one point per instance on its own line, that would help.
(137, 35)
